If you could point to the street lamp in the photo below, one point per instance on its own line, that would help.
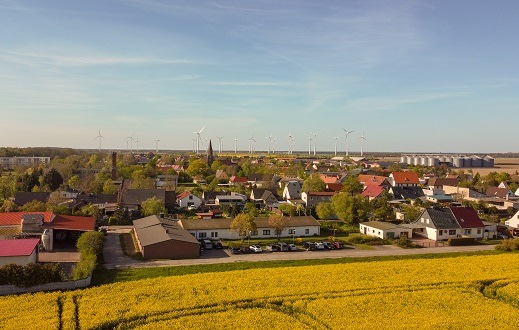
(334, 230)
(293, 236)
(250, 233)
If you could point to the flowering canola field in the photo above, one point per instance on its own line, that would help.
(452, 293)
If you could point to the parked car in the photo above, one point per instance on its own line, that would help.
(273, 247)
(206, 243)
(256, 248)
(192, 207)
(245, 249)
(283, 247)
(292, 247)
(338, 245)
(234, 250)
(309, 246)
(319, 246)
(329, 246)
(217, 244)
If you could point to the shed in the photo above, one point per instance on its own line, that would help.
(19, 251)
(384, 229)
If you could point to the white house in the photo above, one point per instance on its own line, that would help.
(292, 190)
(187, 199)
(384, 229)
(513, 221)
(19, 251)
(221, 228)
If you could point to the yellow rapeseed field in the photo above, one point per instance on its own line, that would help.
(451, 293)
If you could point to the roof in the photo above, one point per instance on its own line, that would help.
(23, 197)
(443, 182)
(97, 198)
(183, 194)
(153, 229)
(407, 177)
(329, 178)
(321, 193)
(497, 192)
(442, 218)
(369, 180)
(15, 218)
(467, 217)
(407, 192)
(334, 186)
(137, 196)
(72, 222)
(208, 224)
(18, 247)
(238, 179)
(372, 191)
(381, 225)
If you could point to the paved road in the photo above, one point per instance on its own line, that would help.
(114, 257)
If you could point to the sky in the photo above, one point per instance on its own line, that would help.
(412, 76)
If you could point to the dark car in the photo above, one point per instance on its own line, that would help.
(245, 249)
(338, 245)
(234, 250)
(283, 247)
(217, 244)
(273, 247)
(309, 246)
(329, 246)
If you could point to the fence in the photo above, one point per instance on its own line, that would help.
(68, 285)
(430, 243)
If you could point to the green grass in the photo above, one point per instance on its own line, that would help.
(104, 276)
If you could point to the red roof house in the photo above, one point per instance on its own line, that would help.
(371, 192)
(404, 179)
(19, 251)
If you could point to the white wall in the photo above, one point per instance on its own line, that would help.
(184, 202)
(229, 234)
(20, 260)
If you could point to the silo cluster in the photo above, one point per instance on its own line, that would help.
(460, 161)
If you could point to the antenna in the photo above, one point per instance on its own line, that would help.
(346, 139)
(100, 137)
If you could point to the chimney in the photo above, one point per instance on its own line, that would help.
(114, 165)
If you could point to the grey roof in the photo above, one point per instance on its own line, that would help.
(152, 230)
(208, 224)
(137, 196)
(442, 218)
(407, 192)
(23, 197)
(381, 225)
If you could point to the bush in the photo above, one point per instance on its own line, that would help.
(365, 239)
(30, 275)
(509, 245)
(405, 243)
(90, 247)
(461, 241)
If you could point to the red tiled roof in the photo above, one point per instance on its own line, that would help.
(321, 193)
(183, 194)
(15, 218)
(71, 222)
(406, 177)
(372, 191)
(18, 247)
(238, 179)
(334, 186)
(368, 180)
(467, 217)
(329, 178)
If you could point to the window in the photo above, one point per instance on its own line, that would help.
(423, 220)
(427, 221)
(255, 233)
(307, 231)
(202, 235)
(452, 231)
(467, 231)
(479, 231)
(291, 231)
(214, 234)
(266, 232)
(440, 232)
(190, 196)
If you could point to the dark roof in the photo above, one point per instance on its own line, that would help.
(442, 218)
(23, 197)
(467, 217)
(97, 199)
(407, 192)
(137, 196)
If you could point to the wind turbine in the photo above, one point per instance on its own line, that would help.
(235, 145)
(137, 144)
(220, 144)
(290, 140)
(194, 143)
(131, 139)
(270, 142)
(250, 144)
(273, 150)
(346, 139)
(315, 139)
(157, 146)
(198, 138)
(362, 139)
(309, 145)
(336, 139)
(100, 137)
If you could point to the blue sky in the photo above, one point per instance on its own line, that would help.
(431, 76)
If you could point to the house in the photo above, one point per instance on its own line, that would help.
(312, 198)
(221, 228)
(404, 179)
(69, 193)
(12, 224)
(406, 192)
(436, 183)
(159, 238)
(292, 190)
(234, 199)
(499, 192)
(513, 221)
(187, 199)
(261, 180)
(19, 251)
(373, 180)
(133, 198)
(66, 228)
(167, 182)
(384, 230)
(463, 193)
(211, 214)
(372, 191)
(22, 197)
(329, 178)
(237, 180)
(263, 196)
(449, 222)
(337, 187)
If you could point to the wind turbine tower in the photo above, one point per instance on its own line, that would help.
(362, 139)
(315, 140)
(157, 146)
(309, 145)
(198, 138)
(346, 139)
(235, 146)
(290, 140)
(131, 139)
(100, 137)
(336, 139)
(220, 144)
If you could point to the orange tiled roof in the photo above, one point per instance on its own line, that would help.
(406, 177)
(15, 218)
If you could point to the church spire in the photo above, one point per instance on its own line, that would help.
(210, 156)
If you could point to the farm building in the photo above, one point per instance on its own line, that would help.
(160, 238)
(384, 229)
(19, 251)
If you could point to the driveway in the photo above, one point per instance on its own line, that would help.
(115, 258)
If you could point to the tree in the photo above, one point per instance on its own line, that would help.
(34, 206)
(350, 209)
(411, 212)
(109, 188)
(242, 224)
(351, 185)
(314, 183)
(381, 209)
(197, 167)
(278, 222)
(288, 209)
(324, 211)
(153, 205)
(8, 206)
(251, 209)
(53, 179)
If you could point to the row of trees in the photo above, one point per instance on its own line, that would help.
(244, 225)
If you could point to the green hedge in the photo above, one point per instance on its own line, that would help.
(31, 274)
(509, 245)
(461, 241)
(90, 247)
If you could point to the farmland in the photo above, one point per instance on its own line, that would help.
(455, 292)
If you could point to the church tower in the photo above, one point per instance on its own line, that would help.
(210, 156)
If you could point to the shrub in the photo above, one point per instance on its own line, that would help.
(90, 247)
(31, 274)
(405, 243)
(461, 241)
(365, 239)
(509, 245)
